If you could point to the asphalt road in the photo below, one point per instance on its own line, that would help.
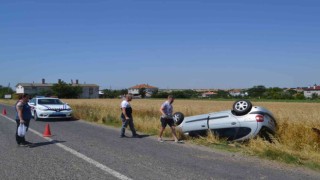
(81, 150)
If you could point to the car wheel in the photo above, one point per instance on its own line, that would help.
(242, 107)
(36, 118)
(178, 118)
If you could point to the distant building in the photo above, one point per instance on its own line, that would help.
(208, 94)
(89, 91)
(237, 93)
(205, 90)
(101, 92)
(171, 90)
(148, 89)
(300, 89)
(308, 92)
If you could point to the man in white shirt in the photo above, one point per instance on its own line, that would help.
(126, 116)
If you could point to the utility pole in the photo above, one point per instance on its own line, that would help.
(8, 87)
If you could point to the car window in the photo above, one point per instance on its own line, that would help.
(49, 101)
(242, 132)
(32, 101)
(226, 133)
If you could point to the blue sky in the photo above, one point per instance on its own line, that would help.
(165, 43)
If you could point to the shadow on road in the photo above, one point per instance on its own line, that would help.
(143, 136)
(57, 120)
(138, 137)
(34, 145)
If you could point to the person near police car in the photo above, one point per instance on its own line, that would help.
(23, 116)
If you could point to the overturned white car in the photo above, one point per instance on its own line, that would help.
(243, 122)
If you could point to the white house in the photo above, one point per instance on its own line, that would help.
(89, 91)
(208, 94)
(237, 92)
(148, 89)
(312, 90)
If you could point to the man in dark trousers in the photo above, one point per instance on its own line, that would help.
(126, 116)
(23, 116)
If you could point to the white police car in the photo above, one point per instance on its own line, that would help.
(45, 107)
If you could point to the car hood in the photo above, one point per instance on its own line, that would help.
(54, 106)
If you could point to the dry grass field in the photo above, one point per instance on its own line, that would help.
(295, 141)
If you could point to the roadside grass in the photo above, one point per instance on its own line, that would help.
(295, 141)
(9, 102)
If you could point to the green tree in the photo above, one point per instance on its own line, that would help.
(160, 95)
(108, 93)
(183, 94)
(64, 90)
(5, 90)
(299, 96)
(289, 94)
(142, 92)
(222, 94)
(46, 93)
(314, 96)
(257, 91)
(273, 93)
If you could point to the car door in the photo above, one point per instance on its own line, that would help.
(224, 125)
(195, 124)
(32, 104)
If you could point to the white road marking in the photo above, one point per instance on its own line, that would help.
(79, 155)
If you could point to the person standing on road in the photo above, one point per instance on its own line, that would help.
(167, 118)
(23, 116)
(126, 116)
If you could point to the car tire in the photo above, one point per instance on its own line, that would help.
(35, 116)
(178, 118)
(241, 107)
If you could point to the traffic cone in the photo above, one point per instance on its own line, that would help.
(4, 112)
(47, 132)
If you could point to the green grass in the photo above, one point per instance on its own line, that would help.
(313, 166)
(221, 145)
(280, 156)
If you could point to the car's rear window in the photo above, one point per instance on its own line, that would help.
(49, 101)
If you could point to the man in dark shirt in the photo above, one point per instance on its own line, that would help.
(23, 116)
(126, 116)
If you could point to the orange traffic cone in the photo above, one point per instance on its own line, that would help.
(4, 112)
(47, 132)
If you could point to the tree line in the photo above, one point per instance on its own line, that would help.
(64, 90)
(261, 92)
(255, 92)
